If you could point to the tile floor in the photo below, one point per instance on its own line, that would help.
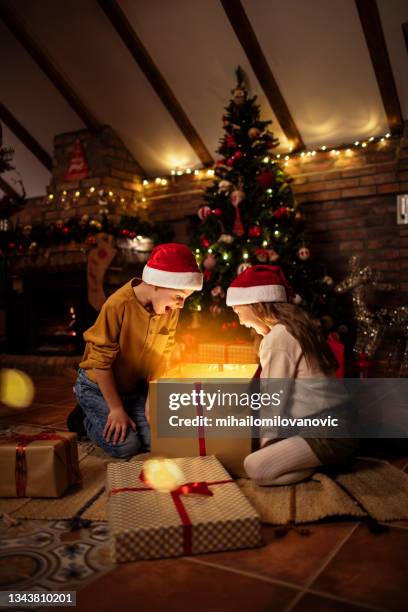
(340, 566)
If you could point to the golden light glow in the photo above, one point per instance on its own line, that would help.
(92, 189)
(51, 196)
(16, 388)
(164, 475)
(77, 194)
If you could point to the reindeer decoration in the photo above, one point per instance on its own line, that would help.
(373, 325)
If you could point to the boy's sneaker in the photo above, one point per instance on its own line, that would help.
(75, 422)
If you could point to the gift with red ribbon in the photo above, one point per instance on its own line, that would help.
(42, 464)
(230, 450)
(207, 513)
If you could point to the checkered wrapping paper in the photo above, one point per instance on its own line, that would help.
(226, 353)
(147, 525)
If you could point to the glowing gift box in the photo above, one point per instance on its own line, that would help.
(41, 464)
(231, 451)
(206, 512)
(229, 352)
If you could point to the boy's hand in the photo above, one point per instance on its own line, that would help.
(116, 425)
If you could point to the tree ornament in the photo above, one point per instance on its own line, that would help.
(328, 281)
(218, 292)
(215, 310)
(273, 255)
(226, 238)
(230, 141)
(243, 266)
(210, 261)
(237, 197)
(254, 132)
(282, 211)
(217, 212)
(224, 186)
(303, 253)
(255, 231)
(27, 230)
(230, 162)
(239, 96)
(124, 232)
(66, 230)
(265, 179)
(11, 245)
(262, 255)
(204, 212)
(204, 242)
(207, 274)
(33, 247)
(221, 163)
(237, 155)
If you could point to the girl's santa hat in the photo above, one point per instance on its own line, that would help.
(260, 284)
(174, 266)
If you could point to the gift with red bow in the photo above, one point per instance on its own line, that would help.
(203, 512)
(39, 464)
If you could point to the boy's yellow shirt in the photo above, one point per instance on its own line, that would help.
(129, 339)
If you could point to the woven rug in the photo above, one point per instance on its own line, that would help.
(371, 487)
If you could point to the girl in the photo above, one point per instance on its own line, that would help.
(292, 347)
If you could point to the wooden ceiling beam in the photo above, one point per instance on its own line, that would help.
(25, 137)
(250, 44)
(9, 190)
(374, 35)
(139, 53)
(47, 65)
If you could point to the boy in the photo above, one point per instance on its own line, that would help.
(129, 344)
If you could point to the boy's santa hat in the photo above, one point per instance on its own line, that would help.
(260, 284)
(174, 266)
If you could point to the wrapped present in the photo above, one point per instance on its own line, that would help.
(227, 352)
(206, 513)
(43, 464)
(231, 451)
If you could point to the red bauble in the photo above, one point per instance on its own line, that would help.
(204, 212)
(220, 162)
(265, 179)
(11, 245)
(237, 155)
(282, 211)
(255, 231)
(217, 212)
(65, 230)
(230, 161)
(125, 232)
(204, 242)
(207, 274)
(230, 141)
(132, 234)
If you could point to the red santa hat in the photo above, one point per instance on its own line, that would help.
(174, 266)
(260, 283)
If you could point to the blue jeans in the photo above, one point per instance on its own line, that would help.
(96, 411)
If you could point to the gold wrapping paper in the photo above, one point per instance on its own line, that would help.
(231, 451)
(47, 472)
(146, 524)
(231, 353)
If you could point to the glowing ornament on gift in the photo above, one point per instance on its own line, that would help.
(204, 212)
(303, 253)
(164, 475)
(16, 388)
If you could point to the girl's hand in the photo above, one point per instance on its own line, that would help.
(116, 425)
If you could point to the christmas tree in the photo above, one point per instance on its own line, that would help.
(250, 217)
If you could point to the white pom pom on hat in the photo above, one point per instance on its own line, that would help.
(261, 283)
(173, 265)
